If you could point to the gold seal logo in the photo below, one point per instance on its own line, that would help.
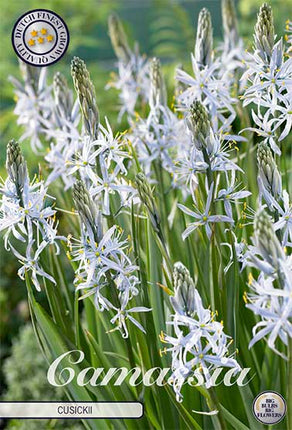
(40, 37)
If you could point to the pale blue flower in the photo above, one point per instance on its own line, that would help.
(230, 195)
(198, 341)
(123, 315)
(203, 218)
(30, 263)
(284, 222)
(274, 306)
(108, 184)
(132, 81)
(33, 107)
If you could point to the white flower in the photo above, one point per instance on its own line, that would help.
(85, 160)
(31, 263)
(108, 184)
(123, 315)
(272, 79)
(133, 82)
(110, 147)
(186, 168)
(284, 222)
(67, 143)
(199, 341)
(203, 218)
(274, 306)
(267, 128)
(34, 105)
(230, 195)
(19, 216)
(159, 137)
(212, 92)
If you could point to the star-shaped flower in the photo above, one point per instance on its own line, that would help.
(203, 218)
(34, 33)
(50, 38)
(44, 31)
(31, 42)
(41, 40)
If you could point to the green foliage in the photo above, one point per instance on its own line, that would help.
(30, 384)
(171, 33)
(25, 373)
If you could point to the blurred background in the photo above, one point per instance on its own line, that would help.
(163, 28)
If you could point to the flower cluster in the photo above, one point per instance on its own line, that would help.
(269, 77)
(95, 155)
(270, 189)
(65, 137)
(105, 269)
(133, 70)
(34, 104)
(207, 84)
(271, 296)
(26, 216)
(232, 57)
(101, 158)
(199, 342)
(209, 155)
(159, 137)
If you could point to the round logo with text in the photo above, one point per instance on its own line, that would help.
(269, 407)
(40, 37)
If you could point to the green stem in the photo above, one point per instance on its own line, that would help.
(213, 404)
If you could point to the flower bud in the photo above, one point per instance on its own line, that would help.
(183, 301)
(266, 239)
(147, 198)
(30, 74)
(16, 166)
(86, 209)
(119, 39)
(86, 95)
(204, 39)
(229, 24)
(264, 33)
(199, 124)
(63, 96)
(157, 85)
(268, 171)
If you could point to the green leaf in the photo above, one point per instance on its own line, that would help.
(236, 424)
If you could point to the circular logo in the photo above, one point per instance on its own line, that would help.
(269, 407)
(40, 37)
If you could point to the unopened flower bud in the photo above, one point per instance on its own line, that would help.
(86, 95)
(183, 301)
(199, 124)
(86, 209)
(269, 175)
(63, 96)
(204, 39)
(264, 33)
(16, 166)
(119, 39)
(157, 85)
(266, 239)
(147, 198)
(229, 24)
